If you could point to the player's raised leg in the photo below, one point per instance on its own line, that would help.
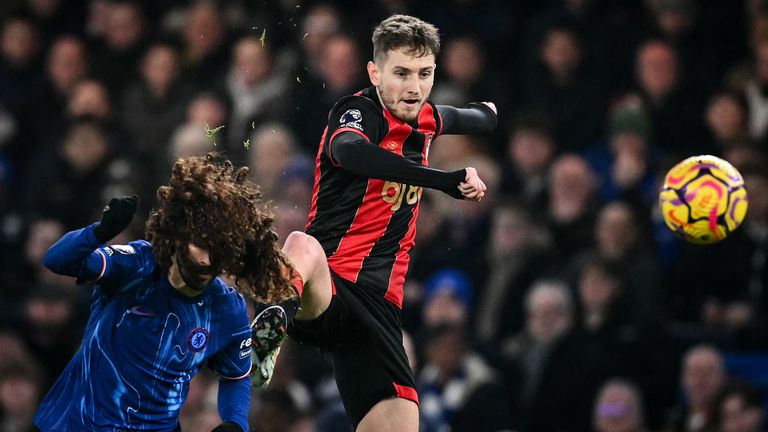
(395, 414)
(271, 322)
(308, 259)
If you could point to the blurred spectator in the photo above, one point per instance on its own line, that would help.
(431, 255)
(561, 84)
(286, 377)
(21, 388)
(464, 242)
(339, 71)
(741, 409)
(57, 17)
(257, 89)
(620, 237)
(604, 308)
(744, 156)
(341, 67)
(20, 73)
(467, 77)
(207, 110)
(188, 140)
(203, 130)
(71, 178)
(618, 408)
(152, 107)
(273, 411)
(90, 98)
(448, 299)
(724, 285)
(756, 228)
(701, 59)
(206, 45)
(117, 54)
(551, 396)
(96, 18)
(292, 204)
(272, 146)
(448, 150)
(321, 21)
(67, 66)
(617, 320)
(458, 391)
(52, 327)
(675, 110)
(22, 89)
(14, 351)
(493, 22)
(727, 117)
(751, 83)
(517, 255)
(41, 235)
(625, 164)
(530, 151)
(702, 378)
(572, 188)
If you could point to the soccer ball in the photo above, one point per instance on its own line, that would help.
(703, 199)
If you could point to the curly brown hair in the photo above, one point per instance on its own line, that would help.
(212, 204)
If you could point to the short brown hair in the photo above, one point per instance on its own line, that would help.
(397, 31)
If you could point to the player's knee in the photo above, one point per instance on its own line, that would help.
(301, 247)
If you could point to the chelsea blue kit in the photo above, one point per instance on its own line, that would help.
(143, 343)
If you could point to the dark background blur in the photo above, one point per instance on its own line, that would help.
(559, 303)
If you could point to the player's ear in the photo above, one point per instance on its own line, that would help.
(373, 73)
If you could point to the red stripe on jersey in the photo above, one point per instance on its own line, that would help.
(405, 392)
(397, 278)
(394, 294)
(316, 187)
(427, 125)
(398, 133)
(338, 131)
(373, 216)
(369, 224)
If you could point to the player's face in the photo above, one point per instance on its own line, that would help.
(403, 81)
(193, 265)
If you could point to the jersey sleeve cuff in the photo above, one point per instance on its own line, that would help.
(238, 378)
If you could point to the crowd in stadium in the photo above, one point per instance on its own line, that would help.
(559, 303)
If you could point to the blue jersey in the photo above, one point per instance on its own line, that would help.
(143, 343)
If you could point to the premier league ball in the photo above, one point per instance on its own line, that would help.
(703, 199)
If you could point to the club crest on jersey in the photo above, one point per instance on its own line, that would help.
(351, 118)
(197, 339)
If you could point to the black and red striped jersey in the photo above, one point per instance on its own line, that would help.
(367, 225)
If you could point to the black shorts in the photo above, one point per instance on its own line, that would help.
(360, 333)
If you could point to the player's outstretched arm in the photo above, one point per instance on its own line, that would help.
(354, 153)
(233, 400)
(478, 117)
(74, 254)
